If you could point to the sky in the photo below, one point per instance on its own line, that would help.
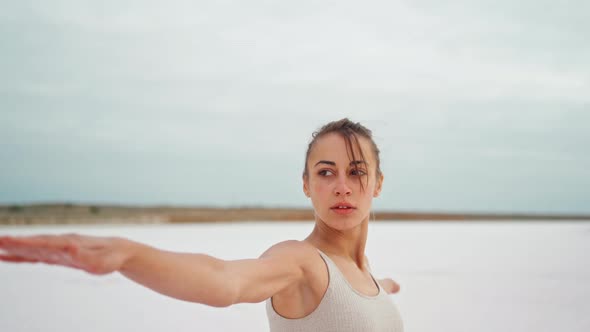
(476, 106)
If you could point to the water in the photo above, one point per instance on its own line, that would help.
(460, 276)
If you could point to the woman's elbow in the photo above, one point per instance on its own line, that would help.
(224, 296)
(220, 303)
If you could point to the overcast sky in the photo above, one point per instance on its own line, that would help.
(476, 106)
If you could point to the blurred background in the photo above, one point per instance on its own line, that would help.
(476, 106)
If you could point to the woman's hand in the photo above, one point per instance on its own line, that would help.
(95, 255)
(390, 286)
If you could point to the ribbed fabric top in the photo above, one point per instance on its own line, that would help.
(342, 309)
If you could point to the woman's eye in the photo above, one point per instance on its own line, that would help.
(358, 172)
(325, 172)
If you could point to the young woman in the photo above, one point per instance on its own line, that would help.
(322, 283)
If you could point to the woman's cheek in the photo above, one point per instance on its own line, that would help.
(321, 186)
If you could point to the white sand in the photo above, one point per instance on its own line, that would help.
(454, 277)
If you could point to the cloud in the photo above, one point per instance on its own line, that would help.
(464, 98)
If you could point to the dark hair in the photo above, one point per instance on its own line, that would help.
(350, 131)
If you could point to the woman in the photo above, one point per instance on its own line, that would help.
(322, 283)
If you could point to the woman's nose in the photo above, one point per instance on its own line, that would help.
(342, 189)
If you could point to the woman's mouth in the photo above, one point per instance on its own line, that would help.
(343, 208)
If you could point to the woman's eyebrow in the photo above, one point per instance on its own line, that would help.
(357, 162)
(325, 162)
(352, 163)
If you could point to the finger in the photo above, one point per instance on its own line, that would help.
(45, 253)
(32, 243)
(16, 259)
(395, 288)
(56, 250)
(11, 241)
(35, 256)
(4, 240)
(48, 241)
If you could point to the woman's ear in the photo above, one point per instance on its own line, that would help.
(378, 186)
(305, 186)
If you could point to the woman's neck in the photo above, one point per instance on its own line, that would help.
(349, 244)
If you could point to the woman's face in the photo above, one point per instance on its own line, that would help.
(333, 182)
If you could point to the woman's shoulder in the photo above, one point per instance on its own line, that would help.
(302, 253)
(292, 248)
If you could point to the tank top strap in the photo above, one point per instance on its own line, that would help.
(336, 277)
(333, 269)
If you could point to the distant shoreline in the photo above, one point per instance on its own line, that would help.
(33, 214)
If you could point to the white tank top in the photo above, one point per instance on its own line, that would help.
(342, 309)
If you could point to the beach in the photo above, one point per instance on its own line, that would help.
(454, 276)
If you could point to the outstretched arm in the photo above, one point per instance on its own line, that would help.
(189, 277)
